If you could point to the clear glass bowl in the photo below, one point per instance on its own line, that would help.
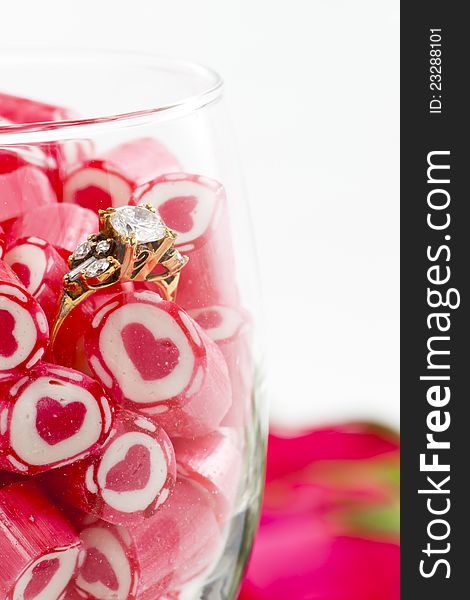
(132, 433)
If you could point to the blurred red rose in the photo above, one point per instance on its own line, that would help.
(329, 526)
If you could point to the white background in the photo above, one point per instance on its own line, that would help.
(313, 93)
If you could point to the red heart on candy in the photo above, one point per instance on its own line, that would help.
(8, 343)
(177, 213)
(56, 422)
(40, 577)
(132, 473)
(23, 273)
(97, 568)
(93, 197)
(209, 319)
(154, 358)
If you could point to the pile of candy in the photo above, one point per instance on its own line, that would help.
(121, 443)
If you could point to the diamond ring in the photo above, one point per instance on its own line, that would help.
(133, 244)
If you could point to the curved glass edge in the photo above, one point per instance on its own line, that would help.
(87, 127)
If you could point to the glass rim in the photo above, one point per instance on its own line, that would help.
(80, 127)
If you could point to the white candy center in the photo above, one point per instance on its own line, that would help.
(34, 259)
(115, 185)
(24, 332)
(202, 214)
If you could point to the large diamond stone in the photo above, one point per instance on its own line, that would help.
(145, 225)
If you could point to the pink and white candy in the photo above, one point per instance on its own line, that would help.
(130, 478)
(64, 226)
(195, 207)
(215, 462)
(141, 561)
(24, 184)
(23, 325)
(40, 269)
(25, 110)
(113, 178)
(50, 417)
(230, 329)
(154, 358)
(39, 549)
(64, 154)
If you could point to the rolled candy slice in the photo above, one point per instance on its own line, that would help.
(131, 476)
(50, 417)
(196, 209)
(64, 154)
(39, 549)
(24, 110)
(64, 226)
(151, 355)
(41, 270)
(113, 178)
(24, 331)
(24, 184)
(141, 561)
(213, 461)
(230, 329)
(67, 155)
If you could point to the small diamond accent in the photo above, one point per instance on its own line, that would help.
(179, 257)
(97, 267)
(103, 247)
(138, 221)
(83, 250)
(74, 273)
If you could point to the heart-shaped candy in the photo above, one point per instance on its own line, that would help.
(131, 473)
(8, 343)
(154, 358)
(40, 577)
(97, 568)
(56, 422)
(177, 213)
(23, 273)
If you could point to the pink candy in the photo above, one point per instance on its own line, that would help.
(154, 358)
(230, 329)
(41, 270)
(25, 110)
(196, 209)
(141, 561)
(23, 325)
(39, 549)
(64, 226)
(131, 476)
(214, 461)
(24, 184)
(51, 416)
(61, 156)
(113, 178)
